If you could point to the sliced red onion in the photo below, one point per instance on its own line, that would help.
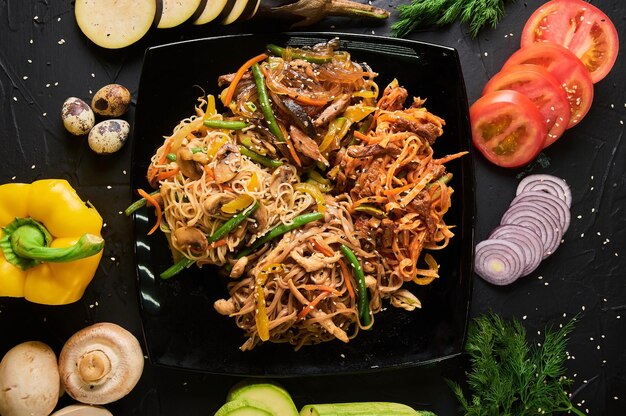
(499, 262)
(544, 224)
(526, 238)
(548, 202)
(546, 183)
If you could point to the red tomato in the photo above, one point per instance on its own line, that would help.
(544, 91)
(565, 67)
(580, 27)
(507, 128)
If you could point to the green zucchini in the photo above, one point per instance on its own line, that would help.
(244, 408)
(361, 409)
(273, 396)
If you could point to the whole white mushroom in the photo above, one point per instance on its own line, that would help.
(82, 410)
(29, 380)
(100, 364)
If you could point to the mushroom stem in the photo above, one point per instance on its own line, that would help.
(94, 365)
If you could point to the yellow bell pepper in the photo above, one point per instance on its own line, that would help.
(50, 242)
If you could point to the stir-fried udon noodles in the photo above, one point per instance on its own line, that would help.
(313, 194)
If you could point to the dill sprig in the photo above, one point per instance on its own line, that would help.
(509, 377)
(426, 13)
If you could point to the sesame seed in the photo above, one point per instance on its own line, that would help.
(33, 167)
(61, 42)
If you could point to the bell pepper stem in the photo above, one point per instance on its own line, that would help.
(26, 243)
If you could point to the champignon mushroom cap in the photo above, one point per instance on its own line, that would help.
(190, 238)
(82, 410)
(228, 163)
(188, 167)
(100, 364)
(29, 380)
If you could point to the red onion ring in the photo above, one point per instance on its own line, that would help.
(499, 262)
(546, 183)
(526, 238)
(548, 202)
(542, 222)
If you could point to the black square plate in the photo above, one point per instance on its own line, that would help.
(181, 327)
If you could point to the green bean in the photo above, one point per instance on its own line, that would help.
(226, 124)
(264, 101)
(232, 223)
(280, 51)
(140, 203)
(224, 229)
(260, 159)
(373, 211)
(364, 303)
(195, 150)
(171, 157)
(279, 230)
(176, 268)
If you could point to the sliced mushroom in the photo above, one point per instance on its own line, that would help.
(188, 167)
(260, 216)
(228, 163)
(100, 364)
(281, 175)
(190, 239)
(214, 202)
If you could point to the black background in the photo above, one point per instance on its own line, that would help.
(44, 59)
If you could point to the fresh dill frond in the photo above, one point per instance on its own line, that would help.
(508, 376)
(426, 13)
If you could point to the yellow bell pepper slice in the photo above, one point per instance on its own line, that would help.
(356, 113)
(51, 245)
(238, 204)
(315, 192)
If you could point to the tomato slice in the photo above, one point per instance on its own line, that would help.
(579, 26)
(565, 67)
(507, 128)
(544, 91)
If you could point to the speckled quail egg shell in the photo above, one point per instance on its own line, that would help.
(77, 116)
(112, 100)
(108, 136)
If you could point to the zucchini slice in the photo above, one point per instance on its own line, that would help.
(236, 11)
(212, 10)
(115, 24)
(177, 12)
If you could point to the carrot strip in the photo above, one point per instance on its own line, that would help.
(156, 206)
(346, 278)
(322, 248)
(209, 175)
(361, 136)
(292, 150)
(166, 151)
(230, 92)
(311, 305)
(218, 243)
(323, 288)
(168, 174)
(449, 158)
